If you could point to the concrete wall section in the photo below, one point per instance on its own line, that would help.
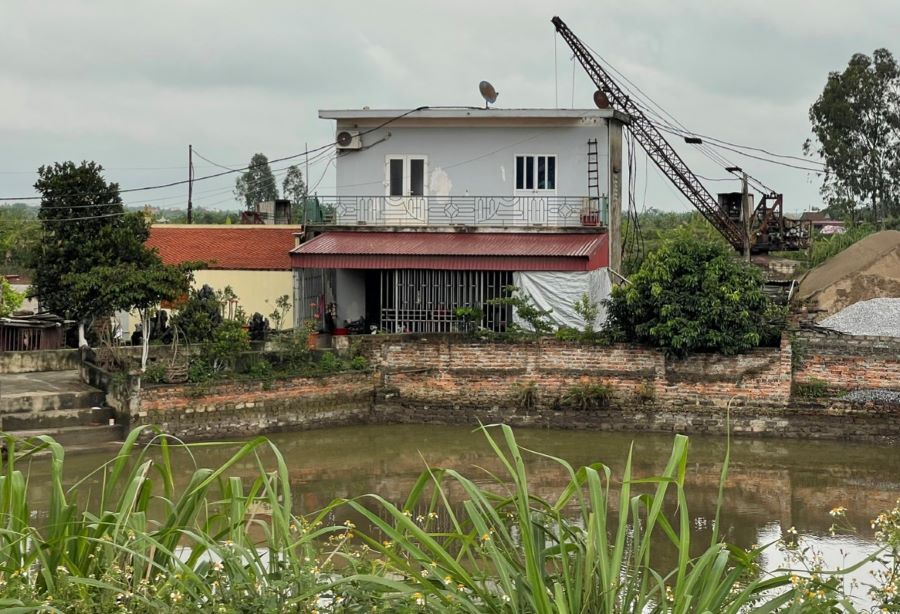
(38, 360)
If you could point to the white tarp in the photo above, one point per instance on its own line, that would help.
(560, 290)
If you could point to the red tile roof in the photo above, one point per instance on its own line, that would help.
(263, 247)
(455, 251)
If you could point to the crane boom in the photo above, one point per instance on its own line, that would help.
(653, 142)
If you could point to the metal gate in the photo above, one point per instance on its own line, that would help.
(424, 301)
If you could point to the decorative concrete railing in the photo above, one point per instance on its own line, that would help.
(496, 211)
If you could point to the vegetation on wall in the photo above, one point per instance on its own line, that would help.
(694, 296)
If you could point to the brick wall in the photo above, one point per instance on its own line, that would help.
(250, 408)
(456, 372)
(448, 379)
(846, 362)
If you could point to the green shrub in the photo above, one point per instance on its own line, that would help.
(359, 363)
(586, 397)
(329, 363)
(812, 389)
(228, 342)
(260, 369)
(537, 320)
(155, 372)
(525, 395)
(567, 333)
(690, 296)
(199, 371)
(200, 315)
(589, 312)
(469, 316)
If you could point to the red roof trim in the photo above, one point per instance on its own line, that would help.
(451, 251)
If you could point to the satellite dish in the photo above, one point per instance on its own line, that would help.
(488, 93)
(601, 100)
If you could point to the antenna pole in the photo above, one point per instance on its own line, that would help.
(190, 212)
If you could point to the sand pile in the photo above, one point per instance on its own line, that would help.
(868, 269)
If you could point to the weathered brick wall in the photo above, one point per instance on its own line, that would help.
(451, 380)
(249, 408)
(847, 362)
(454, 372)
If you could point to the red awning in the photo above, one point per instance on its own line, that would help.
(476, 251)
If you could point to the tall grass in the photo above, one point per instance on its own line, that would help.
(226, 544)
(146, 547)
(512, 551)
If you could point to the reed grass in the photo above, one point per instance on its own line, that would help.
(230, 544)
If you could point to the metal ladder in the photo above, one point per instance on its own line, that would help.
(593, 168)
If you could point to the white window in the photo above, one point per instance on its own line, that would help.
(535, 173)
(405, 175)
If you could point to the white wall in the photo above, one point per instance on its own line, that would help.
(349, 295)
(475, 161)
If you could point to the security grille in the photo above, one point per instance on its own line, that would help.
(423, 301)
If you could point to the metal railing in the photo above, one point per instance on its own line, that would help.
(496, 211)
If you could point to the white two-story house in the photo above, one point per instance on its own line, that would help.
(445, 207)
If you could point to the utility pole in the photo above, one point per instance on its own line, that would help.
(190, 212)
(305, 185)
(745, 215)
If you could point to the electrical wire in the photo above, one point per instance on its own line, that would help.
(229, 171)
(703, 148)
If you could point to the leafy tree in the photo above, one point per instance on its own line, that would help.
(294, 187)
(10, 300)
(256, 184)
(20, 231)
(694, 296)
(93, 260)
(200, 215)
(856, 123)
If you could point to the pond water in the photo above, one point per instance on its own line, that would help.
(773, 484)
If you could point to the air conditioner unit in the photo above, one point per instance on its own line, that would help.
(348, 139)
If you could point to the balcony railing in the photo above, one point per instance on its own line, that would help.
(494, 211)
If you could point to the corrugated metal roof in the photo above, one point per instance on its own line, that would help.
(459, 251)
(226, 247)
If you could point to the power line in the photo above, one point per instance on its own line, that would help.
(703, 148)
(229, 171)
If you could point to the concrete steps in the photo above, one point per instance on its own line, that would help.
(56, 403)
(50, 401)
(77, 436)
(56, 418)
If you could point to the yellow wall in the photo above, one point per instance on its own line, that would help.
(256, 291)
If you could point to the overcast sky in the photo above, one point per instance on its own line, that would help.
(130, 84)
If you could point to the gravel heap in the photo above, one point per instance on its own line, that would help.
(885, 397)
(878, 316)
